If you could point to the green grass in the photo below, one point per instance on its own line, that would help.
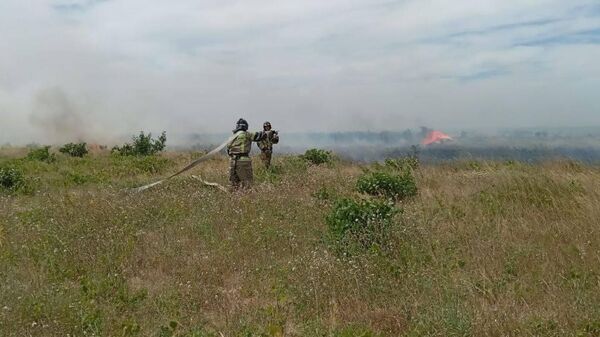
(484, 249)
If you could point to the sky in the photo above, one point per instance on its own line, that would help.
(98, 69)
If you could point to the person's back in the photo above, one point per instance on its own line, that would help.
(238, 149)
(241, 145)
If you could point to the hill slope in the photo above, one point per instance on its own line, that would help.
(485, 249)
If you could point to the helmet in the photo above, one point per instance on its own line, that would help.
(266, 125)
(241, 125)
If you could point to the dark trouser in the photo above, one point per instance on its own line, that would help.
(240, 173)
(265, 156)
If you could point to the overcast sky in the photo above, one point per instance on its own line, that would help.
(96, 69)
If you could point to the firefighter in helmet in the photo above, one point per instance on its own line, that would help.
(266, 144)
(238, 149)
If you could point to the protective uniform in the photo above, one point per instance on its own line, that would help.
(266, 145)
(238, 149)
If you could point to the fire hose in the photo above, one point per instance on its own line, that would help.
(190, 166)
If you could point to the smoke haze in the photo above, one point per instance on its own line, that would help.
(100, 70)
(56, 118)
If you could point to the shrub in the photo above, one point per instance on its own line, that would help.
(143, 145)
(11, 179)
(317, 156)
(42, 154)
(393, 186)
(360, 224)
(403, 163)
(409, 162)
(74, 150)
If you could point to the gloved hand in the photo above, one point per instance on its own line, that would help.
(275, 137)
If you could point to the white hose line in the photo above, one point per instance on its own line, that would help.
(208, 183)
(190, 166)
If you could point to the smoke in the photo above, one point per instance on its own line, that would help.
(57, 118)
(109, 69)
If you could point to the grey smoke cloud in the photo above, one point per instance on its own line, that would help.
(196, 66)
(57, 118)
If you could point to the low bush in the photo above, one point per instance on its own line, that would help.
(142, 145)
(403, 163)
(11, 179)
(42, 154)
(359, 224)
(74, 149)
(317, 156)
(409, 162)
(390, 185)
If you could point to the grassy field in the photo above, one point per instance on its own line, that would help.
(484, 249)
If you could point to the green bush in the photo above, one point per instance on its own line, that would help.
(409, 162)
(403, 163)
(390, 185)
(359, 224)
(74, 150)
(142, 145)
(317, 156)
(11, 179)
(42, 154)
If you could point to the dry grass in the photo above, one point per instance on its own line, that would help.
(486, 249)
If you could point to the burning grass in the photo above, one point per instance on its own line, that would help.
(484, 249)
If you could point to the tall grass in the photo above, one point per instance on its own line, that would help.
(493, 249)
